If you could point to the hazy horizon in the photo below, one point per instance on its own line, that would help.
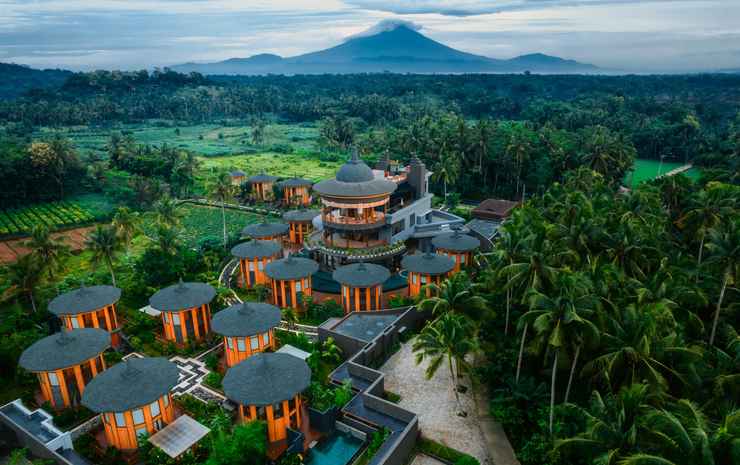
(628, 35)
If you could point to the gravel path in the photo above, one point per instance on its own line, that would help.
(434, 402)
(422, 459)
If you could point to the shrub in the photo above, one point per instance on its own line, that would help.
(343, 394)
(213, 379)
(445, 453)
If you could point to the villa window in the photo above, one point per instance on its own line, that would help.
(413, 278)
(266, 339)
(291, 405)
(254, 343)
(298, 286)
(141, 434)
(261, 413)
(175, 319)
(423, 279)
(53, 380)
(260, 266)
(462, 258)
(230, 343)
(277, 411)
(251, 266)
(241, 347)
(154, 408)
(166, 401)
(120, 420)
(75, 322)
(412, 219)
(138, 415)
(164, 318)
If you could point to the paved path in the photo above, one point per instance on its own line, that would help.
(422, 459)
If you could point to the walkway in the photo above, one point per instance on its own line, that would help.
(675, 171)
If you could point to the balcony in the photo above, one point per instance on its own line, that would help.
(354, 250)
(352, 223)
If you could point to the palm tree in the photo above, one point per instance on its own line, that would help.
(289, 317)
(23, 276)
(724, 247)
(446, 170)
(167, 211)
(448, 338)
(562, 322)
(330, 351)
(104, 244)
(49, 250)
(519, 149)
(167, 239)
(125, 223)
(708, 209)
(456, 294)
(221, 189)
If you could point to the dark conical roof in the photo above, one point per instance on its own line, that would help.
(296, 182)
(245, 319)
(291, 268)
(266, 378)
(65, 349)
(262, 177)
(85, 299)
(361, 275)
(300, 216)
(131, 384)
(265, 229)
(355, 179)
(428, 263)
(256, 249)
(456, 242)
(182, 296)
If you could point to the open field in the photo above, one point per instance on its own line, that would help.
(645, 170)
(75, 211)
(12, 250)
(203, 139)
(277, 164)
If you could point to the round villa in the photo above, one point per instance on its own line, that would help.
(266, 231)
(186, 311)
(362, 286)
(457, 246)
(268, 387)
(65, 363)
(291, 279)
(262, 187)
(426, 268)
(133, 398)
(89, 307)
(247, 329)
(296, 191)
(253, 256)
(301, 224)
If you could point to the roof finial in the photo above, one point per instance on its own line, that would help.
(355, 156)
(243, 308)
(64, 337)
(181, 285)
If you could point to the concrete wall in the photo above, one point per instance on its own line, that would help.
(419, 208)
(34, 445)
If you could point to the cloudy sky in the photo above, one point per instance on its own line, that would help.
(630, 35)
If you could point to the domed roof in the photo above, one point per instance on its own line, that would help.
(428, 263)
(245, 319)
(265, 230)
(266, 378)
(85, 299)
(65, 349)
(361, 275)
(291, 268)
(300, 216)
(456, 242)
(182, 296)
(355, 170)
(355, 179)
(256, 249)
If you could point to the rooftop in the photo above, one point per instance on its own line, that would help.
(256, 249)
(179, 436)
(428, 263)
(262, 177)
(182, 296)
(130, 384)
(296, 182)
(484, 228)
(361, 274)
(65, 349)
(266, 378)
(300, 216)
(85, 299)
(456, 242)
(494, 209)
(364, 326)
(265, 230)
(246, 319)
(291, 268)
(355, 179)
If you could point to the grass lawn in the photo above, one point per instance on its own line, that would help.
(276, 164)
(645, 170)
(204, 139)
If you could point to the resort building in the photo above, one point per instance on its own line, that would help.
(458, 246)
(89, 307)
(247, 329)
(426, 268)
(362, 286)
(65, 363)
(300, 224)
(253, 256)
(291, 280)
(185, 309)
(268, 387)
(237, 177)
(133, 398)
(266, 231)
(296, 191)
(262, 187)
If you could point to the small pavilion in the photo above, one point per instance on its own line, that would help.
(65, 363)
(300, 223)
(362, 286)
(89, 307)
(133, 398)
(296, 191)
(426, 268)
(237, 177)
(262, 185)
(268, 387)
(457, 246)
(247, 329)
(291, 280)
(266, 231)
(253, 256)
(186, 311)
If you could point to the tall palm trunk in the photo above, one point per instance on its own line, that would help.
(223, 219)
(572, 371)
(701, 251)
(110, 268)
(453, 375)
(33, 300)
(719, 306)
(508, 309)
(521, 353)
(552, 388)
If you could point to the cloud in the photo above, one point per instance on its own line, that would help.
(385, 26)
(464, 8)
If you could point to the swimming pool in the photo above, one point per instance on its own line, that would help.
(335, 450)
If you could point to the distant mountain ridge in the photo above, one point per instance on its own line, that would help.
(397, 49)
(16, 80)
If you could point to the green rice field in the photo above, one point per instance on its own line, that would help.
(645, 170)
(204, 139)
(276, 164)
(73, 212)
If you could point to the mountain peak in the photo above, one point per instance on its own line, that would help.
(386, 25)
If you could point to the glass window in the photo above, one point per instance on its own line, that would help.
(138, 416)
(462, 258)
(120, 420)
(423, 279)
(255, 342)
(176, 319)
(53, 380)
(240, 345)
(251, 266)
(298, 286)
(166, 400)
(154, 408)
(75, 322)
(261, 413)
(141, 433)
(230, 343)
(164, 318)
(265, 339)
(260, 266)
(277, 410)
(413, 278)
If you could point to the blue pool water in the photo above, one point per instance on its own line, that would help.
(335, 450)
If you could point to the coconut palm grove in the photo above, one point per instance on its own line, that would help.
(375, 268)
